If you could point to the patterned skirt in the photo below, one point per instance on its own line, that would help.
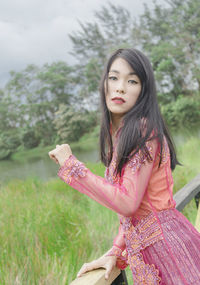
(163, 249)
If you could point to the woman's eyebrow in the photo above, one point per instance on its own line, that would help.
(116, 71)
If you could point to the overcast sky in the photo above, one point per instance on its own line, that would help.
(36, 31)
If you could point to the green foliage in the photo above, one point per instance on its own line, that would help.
(56, 83)
(45, 131)
(71, 124)
(93, 72)
(183, 113)
(169, 37)
(9, 113)
(29, 139)
(30, 100)
(97, 39)
(9, 142)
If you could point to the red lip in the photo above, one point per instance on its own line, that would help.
(118, 98)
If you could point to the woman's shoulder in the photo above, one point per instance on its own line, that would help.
(137, 159)
(152, 151)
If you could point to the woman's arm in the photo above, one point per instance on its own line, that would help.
(123, 198)
(118, 250)
(119, 241)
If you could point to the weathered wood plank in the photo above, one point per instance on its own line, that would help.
(197, 223)
(187, 193)
(96, 277)
(121, 279)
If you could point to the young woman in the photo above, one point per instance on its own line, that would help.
(158, 243)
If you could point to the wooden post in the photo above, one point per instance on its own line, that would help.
(187, 193)
(197, 223)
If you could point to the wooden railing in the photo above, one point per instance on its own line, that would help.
(97, 277)
(117, 277)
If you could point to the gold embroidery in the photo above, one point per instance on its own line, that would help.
(138, 237)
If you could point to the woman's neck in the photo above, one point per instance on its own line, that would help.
(116, 122)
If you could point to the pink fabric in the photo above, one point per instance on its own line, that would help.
(177, 255)
(123, 198)
(160, 245)
(119, 239)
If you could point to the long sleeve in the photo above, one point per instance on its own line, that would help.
(119, 239)
(124, 197)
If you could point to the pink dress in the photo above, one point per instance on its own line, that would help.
(158, 243)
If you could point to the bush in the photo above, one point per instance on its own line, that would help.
(9, 142)
(45, 132)
(184, 112)
(71, 124)
(29, 139)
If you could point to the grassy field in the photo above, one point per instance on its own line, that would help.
(188, 155)
(49, 230)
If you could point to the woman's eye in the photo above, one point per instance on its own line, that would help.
(112, 78)
(132, 81)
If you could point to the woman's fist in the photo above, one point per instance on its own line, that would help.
(60, 153)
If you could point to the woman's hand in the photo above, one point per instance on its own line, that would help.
(60, 153)
(107, 262)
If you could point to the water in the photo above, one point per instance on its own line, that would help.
(45, 168)
(42, 168)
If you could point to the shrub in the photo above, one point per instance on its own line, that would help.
(9, 142)
(29, 139)
(184, 112)
(71, 124)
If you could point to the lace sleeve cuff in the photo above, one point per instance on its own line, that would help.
(122, 261)
(71, 169)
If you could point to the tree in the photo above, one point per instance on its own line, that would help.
(9, 142)
(56, 83)
(96, 40)
(71, 124)
(35, 94)
(169, 36)
(92, 44)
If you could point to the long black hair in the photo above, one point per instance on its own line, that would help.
(146, 109)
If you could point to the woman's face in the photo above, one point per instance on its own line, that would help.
(124, 88)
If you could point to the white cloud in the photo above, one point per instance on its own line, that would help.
(35, 31)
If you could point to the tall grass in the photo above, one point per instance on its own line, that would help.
(48, 230)
(188, 154)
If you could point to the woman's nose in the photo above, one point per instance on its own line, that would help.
(120, 91)
(120, 88)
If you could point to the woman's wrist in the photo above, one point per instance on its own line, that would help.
(72, 169)
(114, 251)
(63, 160)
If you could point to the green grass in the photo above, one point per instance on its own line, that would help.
(188, 155)
(48, 230)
